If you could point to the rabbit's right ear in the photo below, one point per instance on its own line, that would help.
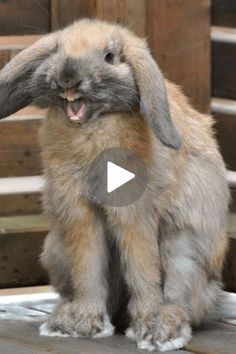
(153, 96)
(16, 87)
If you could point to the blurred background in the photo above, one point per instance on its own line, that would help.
(194, 43)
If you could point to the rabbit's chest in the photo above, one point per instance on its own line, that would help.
(69, 151)
(82, 144)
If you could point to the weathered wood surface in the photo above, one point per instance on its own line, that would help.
(183, 54)
(215, 338)
(129, 12)
(21, 240)
(19, 259)
(27, 223)
(229, 275)
(24, 16)
(12, 45)
(223, 69)
(20, 204)
(19, 148)
(224, 13)
(225, 132)
(233, 200)
(223, 34)
(21, 185)
(21, 315)
(23, 338)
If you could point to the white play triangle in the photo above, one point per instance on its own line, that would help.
(117, 176)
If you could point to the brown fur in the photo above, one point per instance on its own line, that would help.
(171, 242)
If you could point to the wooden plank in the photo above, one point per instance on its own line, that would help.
(24, 17)
(225, 132)
(25, 291)
(20, 204)
(231, 224)
(224, 106)
(183, 54)
(23, 224)
(65, 12)
(226, 309)
(19, 260)
(21, 240)
(224, 13)
(19, 150)
(223, 69)
(128, 12)
(214, 338)
(229, 274)
(17, 42)
(233, 200)
(5, 57)
(19, 337)
(224, 112)
(28, 313)
(231, 176)
(12, 45)
(21, 185)
(223, 34)
(23, 338)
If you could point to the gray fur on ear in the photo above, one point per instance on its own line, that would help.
(16, 87)
(153, 96)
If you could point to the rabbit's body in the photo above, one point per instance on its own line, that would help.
(189, 210)
(157, 261)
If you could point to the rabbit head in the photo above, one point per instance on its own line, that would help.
(88, 69)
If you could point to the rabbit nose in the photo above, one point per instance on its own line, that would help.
(70, 95)
(68, 85)
(69, 90)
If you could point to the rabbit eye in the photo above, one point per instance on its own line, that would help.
(109, 57)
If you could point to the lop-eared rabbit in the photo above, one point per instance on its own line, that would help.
(153, 266)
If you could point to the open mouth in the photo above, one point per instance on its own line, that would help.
(76, 110)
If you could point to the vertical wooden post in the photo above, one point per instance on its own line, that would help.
(129, 12)
(179, 36)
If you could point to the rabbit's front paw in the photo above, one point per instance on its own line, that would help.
(173, 330)
(95, 325)
(142, 332)
(168, 330)
(60, 322)
(72, 319)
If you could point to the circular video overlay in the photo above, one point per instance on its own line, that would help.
(117, 177)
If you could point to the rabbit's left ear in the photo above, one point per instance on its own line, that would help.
(16, 87)
(153, 96)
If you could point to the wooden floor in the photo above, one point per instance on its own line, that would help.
(19, 322)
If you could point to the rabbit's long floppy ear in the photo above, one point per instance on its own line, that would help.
(16, 88)
(153, 96)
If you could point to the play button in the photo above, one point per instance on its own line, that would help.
(117, 177)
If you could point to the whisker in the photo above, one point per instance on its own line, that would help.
(127, 104)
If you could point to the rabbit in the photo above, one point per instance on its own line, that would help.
(152, 268)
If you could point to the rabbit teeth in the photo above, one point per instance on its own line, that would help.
(76, 111)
